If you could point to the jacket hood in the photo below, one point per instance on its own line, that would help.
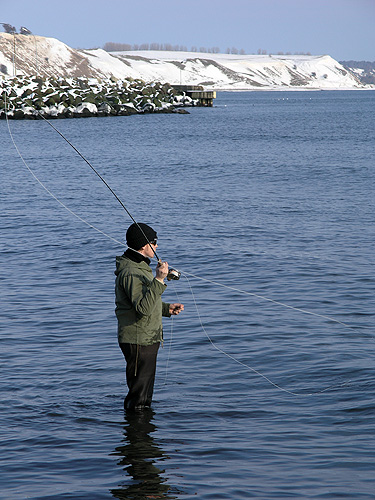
(130, 259)
(120, 263)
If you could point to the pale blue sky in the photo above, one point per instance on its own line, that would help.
(344, 29)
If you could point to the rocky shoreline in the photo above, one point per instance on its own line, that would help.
(28, 97)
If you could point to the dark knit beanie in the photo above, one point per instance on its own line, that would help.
(138, 235)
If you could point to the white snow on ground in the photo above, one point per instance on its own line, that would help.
(223, 71)
(108, 65)
(50, 57)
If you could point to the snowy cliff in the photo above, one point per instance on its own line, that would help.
(48, 57)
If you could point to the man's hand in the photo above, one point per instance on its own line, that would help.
(161, 271)
(175, 309)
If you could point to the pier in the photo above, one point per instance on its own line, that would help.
(197, 92)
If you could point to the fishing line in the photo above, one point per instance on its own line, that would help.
(169, 353)
(282, 304)
(251, 368)
(171, 339)
(127, 211)
(269, 300)
(186, 274)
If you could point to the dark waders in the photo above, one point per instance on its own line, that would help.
(140, 374)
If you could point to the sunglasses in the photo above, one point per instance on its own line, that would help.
(154, 242)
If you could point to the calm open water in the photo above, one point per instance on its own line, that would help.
(271, 193)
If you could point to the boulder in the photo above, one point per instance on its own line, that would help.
(104, 109)
(86, 109)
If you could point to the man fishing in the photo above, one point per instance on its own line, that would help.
(139, 311)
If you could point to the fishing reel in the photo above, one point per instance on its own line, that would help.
(173, 274)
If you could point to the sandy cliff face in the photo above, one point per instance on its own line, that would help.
(48, 57)
(45, 57)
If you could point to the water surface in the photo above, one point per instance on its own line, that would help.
(269, 193)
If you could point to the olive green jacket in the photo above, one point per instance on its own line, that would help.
(139, 308)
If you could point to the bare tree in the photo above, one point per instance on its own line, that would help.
(116, 47)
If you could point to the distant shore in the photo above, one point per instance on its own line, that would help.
(51, 58)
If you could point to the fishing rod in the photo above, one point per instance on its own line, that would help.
(173, 274)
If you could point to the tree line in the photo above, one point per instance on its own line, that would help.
(281, 53)
(124, 47)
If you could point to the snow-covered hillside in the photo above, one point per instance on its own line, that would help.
(223, 71)
(31, 55)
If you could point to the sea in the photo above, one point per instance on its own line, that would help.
(265, 385)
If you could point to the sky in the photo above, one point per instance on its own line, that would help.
(343, 29)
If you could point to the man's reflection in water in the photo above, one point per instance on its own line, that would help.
(137, 455)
